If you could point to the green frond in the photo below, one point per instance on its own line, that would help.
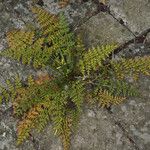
(78, 52)
(24, 48)
(66, 133)
(31, 95)
(30, 121)
(48, 22)
(59, 37)
(122, 88)
(9, 93)
(19, 39)
(58, 105)
(38, 53)
(43, 119)
(31, 81)
(94, 58)
(18, 42)
(63, 44)
(1, 99)
(52, 45)
(44, 116)
(132, 67)
(17, 82)
(23, 102)
(67, 105)
(106, 99)
(117, 87)
(80, 48)
(59, 118)
(4, 95)
(77, 94)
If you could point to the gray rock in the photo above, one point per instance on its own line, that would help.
(8, 133)
(14, 14)
(103, 29)
(94, 132)
(134, 13)
(134, 115)
(97, 132)
(76, 12)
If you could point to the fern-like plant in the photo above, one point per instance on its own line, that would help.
(84, 75)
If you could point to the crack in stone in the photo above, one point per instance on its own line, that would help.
(137, 38)
(84, 20)
(121, 22)
(34, 142)
(125, 132)
(104, 8)
(141, 38)
(100, 8)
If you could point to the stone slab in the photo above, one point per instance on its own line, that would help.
(77, 11)
(95, 132)
(103, 29)
(134, 13)
(134, 115)
(98, 132)
(14, 14)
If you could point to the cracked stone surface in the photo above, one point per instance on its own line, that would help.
(124, 127)
(103, 29)
(134, 115)
(77, 12)
(101, 133)
(134, 13)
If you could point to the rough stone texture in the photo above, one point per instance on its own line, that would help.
(134, 115)
(103, 29)
(14, 14)
(124, 127)
(8, 133)
(77, 11)
(148, 40)
(134, 13)
(97, 132)
(10, 69)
